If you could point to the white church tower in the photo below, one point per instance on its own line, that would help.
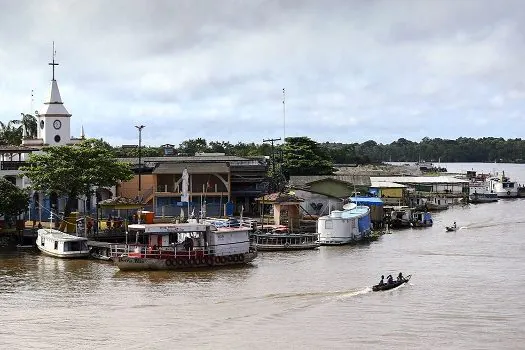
(54, 126)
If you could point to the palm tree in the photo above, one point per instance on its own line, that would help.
(9, 134)
(29, 125)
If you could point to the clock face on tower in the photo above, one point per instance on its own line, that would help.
(57, 124)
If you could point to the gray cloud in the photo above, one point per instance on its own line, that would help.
(353, 70)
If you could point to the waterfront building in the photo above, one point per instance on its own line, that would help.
(437, 192)
(391, 193)
(218, 184)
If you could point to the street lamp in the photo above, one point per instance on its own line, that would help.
(140, 127)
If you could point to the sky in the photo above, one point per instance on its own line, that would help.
(352, 70)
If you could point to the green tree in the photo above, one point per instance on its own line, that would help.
(193, 146)
(14, 200)
(72, 171)
(303, 156)
(11, 133)
(30, 126)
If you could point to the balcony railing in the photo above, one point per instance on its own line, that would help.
(11, 165)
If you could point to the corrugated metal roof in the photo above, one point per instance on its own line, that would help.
(386, 184)
(17, 149)
(419, 179)
(193, 168)
(189, 159)
(359, 180)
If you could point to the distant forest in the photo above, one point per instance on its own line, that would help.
(487, 149)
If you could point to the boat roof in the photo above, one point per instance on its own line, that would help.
(356, 212)
(168, 228)
(59, 235)
(164, 229)
(367, 200)
(418, 179)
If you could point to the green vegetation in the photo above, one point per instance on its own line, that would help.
(14, 200)
(72, 171)
(463, 149)
(13, 132)
(303, 156)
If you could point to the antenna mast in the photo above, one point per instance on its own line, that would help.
(284, 114)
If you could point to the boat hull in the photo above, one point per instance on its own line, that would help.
(281, 247)
(336, 241)
(132, 263)
(65, 255)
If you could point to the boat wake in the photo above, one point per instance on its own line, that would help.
(345, 294)
(491, 224)
(355, 293)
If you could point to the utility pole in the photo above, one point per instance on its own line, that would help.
(140, 127)
(273, 153)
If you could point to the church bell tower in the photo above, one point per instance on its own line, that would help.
(53, 119)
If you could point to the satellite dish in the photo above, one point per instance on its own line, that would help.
(349, 206)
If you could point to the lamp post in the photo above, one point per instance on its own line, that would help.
(140, 127)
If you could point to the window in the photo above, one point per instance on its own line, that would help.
(328, 224)
(56, 245)
(57, 138)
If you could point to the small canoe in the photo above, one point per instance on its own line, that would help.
(387, 286)
(450, 228)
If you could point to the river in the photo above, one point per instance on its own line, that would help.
(466, 292)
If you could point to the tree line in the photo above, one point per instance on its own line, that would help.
(463, 149)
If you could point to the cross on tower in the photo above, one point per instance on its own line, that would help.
(53, 64)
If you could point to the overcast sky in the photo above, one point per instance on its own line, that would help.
(352, 70)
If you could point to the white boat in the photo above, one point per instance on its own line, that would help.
(342, 227)
(185, 246)
(61, 245)
(503, 187)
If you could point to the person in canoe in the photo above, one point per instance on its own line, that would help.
(389, 279)
(400, 277)
(382, 280)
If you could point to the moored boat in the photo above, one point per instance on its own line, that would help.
(477, 198)
(503, 186)
(186, 246)
(421, 219)
(279, 239)
(388, 286)
(61, 245)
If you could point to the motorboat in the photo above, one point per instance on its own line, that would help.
(388, 286)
